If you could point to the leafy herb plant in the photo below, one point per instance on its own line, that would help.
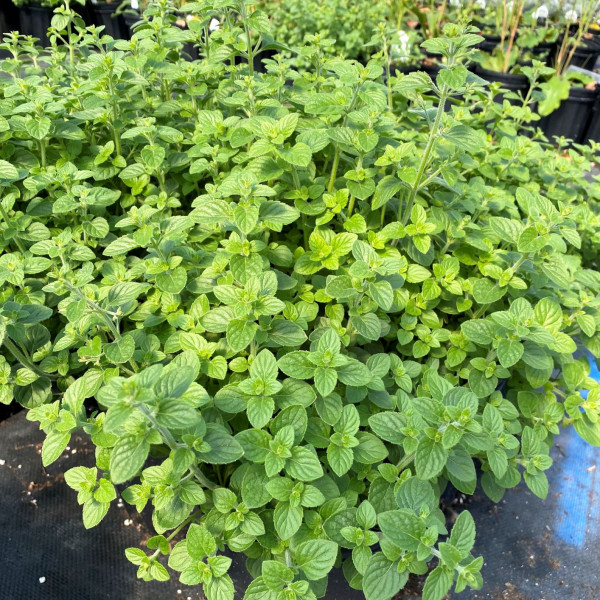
(289, 308)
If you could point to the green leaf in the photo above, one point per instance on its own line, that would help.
(240, 333)
(430, 458)
(509, 352)
(386, 189)
(303, 465)
(438, 584)
(8, 171)
(276, 575)
(127, 458)
(316, 558)
(94, 512)
(199, 542)
(403, 528)
(224, 448)
(153, 156)
(299, 155)
(555, 90)
(462, 535)
(381, 580)
(325, 380)
(465, 137)
(367, 325)
(38, 128)
(538, 483)
(487, 292)
(121, 350)
(297, 365)
(172, 281)
(287, 519)
(340, 459)
(53, 446)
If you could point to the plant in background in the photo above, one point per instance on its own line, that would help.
(345, 26)
(504, 56)
(302, 310)
(576, 25)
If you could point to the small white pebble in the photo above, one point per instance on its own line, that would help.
(68, 448)
(29, 493)
(127, 522)
(42, 580)
(34, 501)
(74, 451)
(179, 592)
(18, 466)
(2, 462)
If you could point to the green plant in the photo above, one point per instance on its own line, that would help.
(576, 23)
(312, 306)
(342, 26)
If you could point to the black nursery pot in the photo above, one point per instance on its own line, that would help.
(510, 81)
(593, 131)
(9, 18)
(431, 69)
(130, 18)
(489, 43)
(35, 21)
(573, 116)
(114, 25)
(545, 49)
(586, 55)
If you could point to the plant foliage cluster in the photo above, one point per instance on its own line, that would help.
(289, 308)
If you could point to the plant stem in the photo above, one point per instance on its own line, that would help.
(336, 157)
(15, 238)
(334, 168)
(168, 438)
(426, 154)
(24, 360)
(405, 461)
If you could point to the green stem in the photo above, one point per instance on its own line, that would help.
(15, 238)
(350, 206)
(426, 154)
(105, 317)
(405, 461)
(334, 168)
(43, 152)
(336, 158)
(25, 361)
(168, 438)
(176, 531)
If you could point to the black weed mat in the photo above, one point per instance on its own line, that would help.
(534, 550)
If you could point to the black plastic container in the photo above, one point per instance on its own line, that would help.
(35, 20)
(586, 54)
(9, 21)
(489, 43)
(431, 69)
(573, 116)
(545, 50)
(131, 18)
(593, 130)
(9, 18)
(114, 25)
(510, 81)
(189, 50)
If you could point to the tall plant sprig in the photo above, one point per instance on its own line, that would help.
(451, 80)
